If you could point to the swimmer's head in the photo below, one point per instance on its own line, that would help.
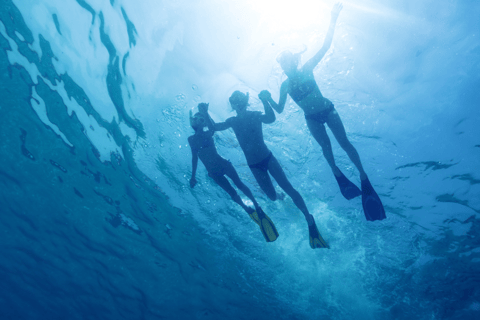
(239, 100)
(203, 107)
(198, 121)
(289, 61)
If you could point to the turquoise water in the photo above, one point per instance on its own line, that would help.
(98, 220)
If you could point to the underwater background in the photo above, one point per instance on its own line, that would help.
(97, 219)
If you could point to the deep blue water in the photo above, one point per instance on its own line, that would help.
(96, 215)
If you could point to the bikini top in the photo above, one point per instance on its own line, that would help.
(300, 89)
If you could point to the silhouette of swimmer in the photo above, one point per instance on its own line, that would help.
(303, 89)
(203, 147)
(247, 126)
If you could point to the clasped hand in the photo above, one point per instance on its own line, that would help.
(264, 95)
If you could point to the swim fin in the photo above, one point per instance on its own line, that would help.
(349, 189)
(266, 225)
(316, 240)
(372, 205)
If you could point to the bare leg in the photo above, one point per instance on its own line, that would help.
(265, 183)
(232, 174)
(335, 124)
(279, 175)
(318, 132)
(223, 182)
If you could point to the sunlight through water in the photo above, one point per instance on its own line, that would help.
(98, 217)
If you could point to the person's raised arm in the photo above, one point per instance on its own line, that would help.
(283, 98)
(312, 63)
(269, 115)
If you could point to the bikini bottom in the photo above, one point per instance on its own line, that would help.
(262, 165)
(224, 167)
(321, 116)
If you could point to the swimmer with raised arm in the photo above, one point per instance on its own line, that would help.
(303, 89)
(247, 126)
(203, 147)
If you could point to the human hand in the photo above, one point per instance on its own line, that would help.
(264, 95)
(193, 182)
(203, 107)
(336, 10)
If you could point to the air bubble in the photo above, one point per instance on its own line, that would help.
(180, 97)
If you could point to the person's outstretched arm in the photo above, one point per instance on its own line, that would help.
(212, 126)
(193, 181)
(312, 63)
(220, 126)
(269, 115)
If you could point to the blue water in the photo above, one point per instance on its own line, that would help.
(97, 220)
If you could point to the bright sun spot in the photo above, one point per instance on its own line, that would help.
(285, 15)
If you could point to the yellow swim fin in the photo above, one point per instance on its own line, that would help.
(266, 225)
(316, 240)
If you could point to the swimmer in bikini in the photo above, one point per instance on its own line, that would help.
(303, 89)
(247, 126)
(203, 147)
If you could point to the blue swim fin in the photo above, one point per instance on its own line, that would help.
(316, 240)
(349, 189)
(266, 225)
(372, 205)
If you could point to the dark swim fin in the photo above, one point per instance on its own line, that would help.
(372, 205)
(316, 240)
(349, 189)
(266, 225)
